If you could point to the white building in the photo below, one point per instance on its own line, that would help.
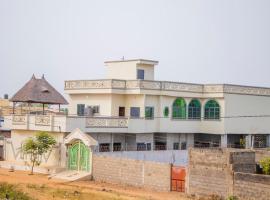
(130, 110)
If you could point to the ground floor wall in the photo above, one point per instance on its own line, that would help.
(142, 141)
(13, 148)
(139, 173)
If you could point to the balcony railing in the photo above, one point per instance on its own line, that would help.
(106, 122)
(132, 84)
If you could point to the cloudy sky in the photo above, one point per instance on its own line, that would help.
(200, 41)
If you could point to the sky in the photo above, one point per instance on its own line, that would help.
(197, 41)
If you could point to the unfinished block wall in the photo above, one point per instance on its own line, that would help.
(132, 172)
(226, 172)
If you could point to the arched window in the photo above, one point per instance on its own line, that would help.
(212, 110)
(194, 109)
(179, 109)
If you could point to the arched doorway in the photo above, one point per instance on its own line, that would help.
(78, 156)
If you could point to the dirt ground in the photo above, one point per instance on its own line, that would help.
(40, 187)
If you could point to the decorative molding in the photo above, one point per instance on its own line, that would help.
(213, 88)
(19, 119)
(106, 122)
(43, 120)
(234, 89)
(165, 86)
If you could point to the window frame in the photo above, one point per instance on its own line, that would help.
(149, 114)
(140, 74)
(139, 112)
(79, 113)
(181, 112)
(194, 112)
(212, 112)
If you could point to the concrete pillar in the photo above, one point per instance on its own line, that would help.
(224, 141)
(249, 141)
(190, 140)
(268, 140)
(111, 142)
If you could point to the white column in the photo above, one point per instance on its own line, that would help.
(268, 140)
(224, 141)
(249, 141)
(111, 142)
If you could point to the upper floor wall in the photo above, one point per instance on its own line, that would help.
(131, 69)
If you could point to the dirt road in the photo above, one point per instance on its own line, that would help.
(42, 188)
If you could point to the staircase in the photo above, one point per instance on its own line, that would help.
(71, 175)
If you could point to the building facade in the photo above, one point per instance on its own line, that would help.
(131, 111)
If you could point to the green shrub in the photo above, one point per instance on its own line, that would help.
(11, 192)
(232, 198)
(265, 164)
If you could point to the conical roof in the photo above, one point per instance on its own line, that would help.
(38, 91)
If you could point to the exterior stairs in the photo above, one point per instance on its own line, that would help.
(69, 175)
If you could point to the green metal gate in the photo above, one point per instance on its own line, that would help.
(78, 157)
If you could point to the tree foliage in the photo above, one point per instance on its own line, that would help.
(37, 146)
(265, 163)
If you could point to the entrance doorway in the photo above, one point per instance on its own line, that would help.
(78, 157)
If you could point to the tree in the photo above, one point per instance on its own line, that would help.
(265, 163)
(38, 146)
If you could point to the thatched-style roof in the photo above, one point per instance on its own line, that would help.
(38, 91)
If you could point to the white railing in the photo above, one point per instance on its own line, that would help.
(132, 84)
(106, 122)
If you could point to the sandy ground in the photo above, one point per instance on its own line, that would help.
(40, 187)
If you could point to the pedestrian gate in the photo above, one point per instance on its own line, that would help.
(178, 175)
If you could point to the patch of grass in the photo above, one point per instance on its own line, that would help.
(11, 192)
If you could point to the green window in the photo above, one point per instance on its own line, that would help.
(179, 109)
(212, 110)
(149, 112)
(166, 111)
(194, 109)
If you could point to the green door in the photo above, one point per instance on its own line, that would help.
(78, 157)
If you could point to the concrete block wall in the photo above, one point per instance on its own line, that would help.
(208, 172)
(260, 154)
(226, 172)
(132, 172)
(251, 186)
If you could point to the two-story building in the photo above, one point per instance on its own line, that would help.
(131, 111)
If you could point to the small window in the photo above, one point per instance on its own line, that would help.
(95, 109)
(80, 109)
(176, 146)
(121, 111)
(135, 112)
(183, 146)
(117, 146)
(149, 112)
(140, 74)
(166, 111)
(105, 147)
(141, 147)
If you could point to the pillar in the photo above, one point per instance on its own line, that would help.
(268, 140)
(112, 142)
(249, 141)
(224, 141)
